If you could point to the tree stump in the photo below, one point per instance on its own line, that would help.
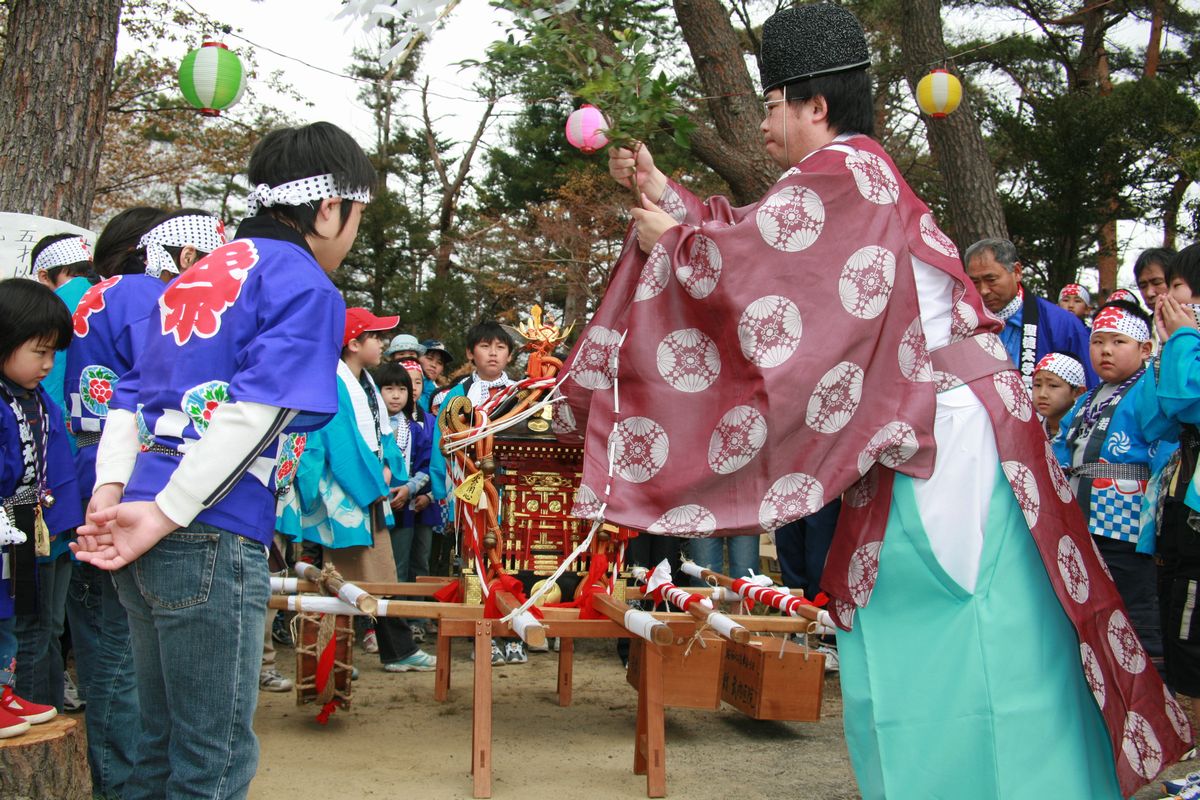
(50, 760)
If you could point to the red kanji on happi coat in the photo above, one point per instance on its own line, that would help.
(91, 302)
(194, 303)
(763, 360)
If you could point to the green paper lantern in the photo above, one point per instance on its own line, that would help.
(212, 78)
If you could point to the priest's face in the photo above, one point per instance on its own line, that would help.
(996, 284)
(792, 130)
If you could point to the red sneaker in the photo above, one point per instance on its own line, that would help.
(32, 713)
(11, 725)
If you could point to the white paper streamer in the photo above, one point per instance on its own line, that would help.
(640, 623)
(285, 585)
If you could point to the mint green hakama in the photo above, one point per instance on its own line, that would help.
(950, 694)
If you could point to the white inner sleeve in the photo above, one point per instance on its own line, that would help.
(237, 434)
(953, 502)
(118, 448)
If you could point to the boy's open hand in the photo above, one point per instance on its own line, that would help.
(116, 536)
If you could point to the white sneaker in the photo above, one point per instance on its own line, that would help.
(514, 653)
(272, 681)
(370, 642)
(71, 699)
(831, 657)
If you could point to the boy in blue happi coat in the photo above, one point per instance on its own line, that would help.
(39, 499)
(243, 348)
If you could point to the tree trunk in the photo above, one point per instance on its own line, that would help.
(1093, 76)
(733, 146)
(1171, 209)
(955, 141)
(50, 760)
(54, 85)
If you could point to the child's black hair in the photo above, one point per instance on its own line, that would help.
(391, 373)
(848, 98)
(1155, 255)
(117, 247)
(1185, 265)
(29, 310)
(489, 331)
(175, 250)
(75, 269)
(290, 154)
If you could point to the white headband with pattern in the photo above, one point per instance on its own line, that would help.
(201, 231)
(63, 252)
(297, 193)
(1064, 366)
(1114, 319)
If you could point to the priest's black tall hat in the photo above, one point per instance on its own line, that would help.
(805, 41)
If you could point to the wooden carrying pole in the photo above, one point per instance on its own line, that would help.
(632, 620)
(525, 625)
(335, 585)
(809, 612)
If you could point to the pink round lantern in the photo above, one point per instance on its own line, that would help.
(585, 129)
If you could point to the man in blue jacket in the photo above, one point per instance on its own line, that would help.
(1033, 326)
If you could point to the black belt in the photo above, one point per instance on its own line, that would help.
(158, 448)
(87, 438)
(25, 496)
(1116, 472)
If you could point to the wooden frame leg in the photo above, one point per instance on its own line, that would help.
(566, 668)
(441, 678)
(481, 727)
(649, 751)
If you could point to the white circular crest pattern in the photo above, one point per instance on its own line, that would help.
(685, 520)
(562, 418)
(1175, 713)
(866, 281)
(963, 321)
(843, 612)
(791, 219)
(1093, 673)
(1126, 646)
(873, 177)
(769, 330)
(1062, 487)
(935, 238)
(587, 505)
(835, 398)
(992, 345)
(688, 360)
(1025, 489)
(862, 491)
(1141, 746)
(1011, 388)
(1073, 570)
(639, 448)
(913, 354)
(945, 381)
(864, 569)
(736, 440)
(700, 274)
(793, 496)
(596, 363)
(656, 272)
(673, 204)
(892, 445)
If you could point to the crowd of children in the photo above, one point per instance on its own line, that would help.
(176, 405)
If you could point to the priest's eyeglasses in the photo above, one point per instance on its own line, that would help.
(769, 104)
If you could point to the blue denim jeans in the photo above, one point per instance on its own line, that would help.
(410, 549)
(710, 554)
(8, 651)
(39, 652)
(104, 661)
(197, 603)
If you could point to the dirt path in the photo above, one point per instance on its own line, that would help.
(398, 742)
